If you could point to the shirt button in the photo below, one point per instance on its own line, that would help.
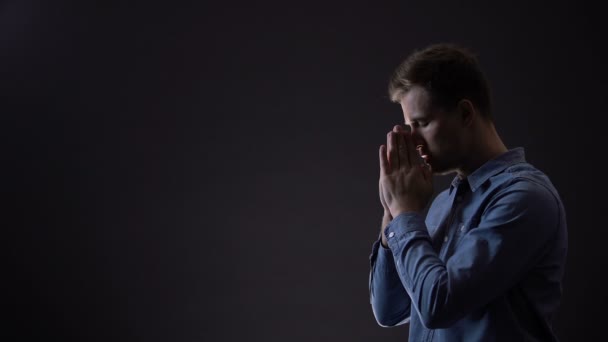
(462, 228)
(445, 239)
(391, 234)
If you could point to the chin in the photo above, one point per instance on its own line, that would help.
(440, 170)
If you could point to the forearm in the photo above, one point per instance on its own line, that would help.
(390, 302)
(423, 274)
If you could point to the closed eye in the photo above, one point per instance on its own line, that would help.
(417, 124)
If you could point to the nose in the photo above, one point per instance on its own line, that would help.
(418, 140)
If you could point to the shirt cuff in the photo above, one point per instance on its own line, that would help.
(402, 225)
(382, 257)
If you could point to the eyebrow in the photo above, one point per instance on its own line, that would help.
(417, 118)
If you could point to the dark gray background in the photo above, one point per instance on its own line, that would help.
(208, 172)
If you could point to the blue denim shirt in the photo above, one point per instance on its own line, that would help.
(485, 265)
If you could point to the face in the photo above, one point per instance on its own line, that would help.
(440, 132)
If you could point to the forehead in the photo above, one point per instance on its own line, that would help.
(415, 104)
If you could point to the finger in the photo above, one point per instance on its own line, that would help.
(382, 200)
(384, 166)
(393, 157)
(413, 155)
(398, 130)
(404, 158)
(407, 128)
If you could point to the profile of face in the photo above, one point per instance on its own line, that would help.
(439, 131)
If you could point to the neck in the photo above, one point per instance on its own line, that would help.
(485, 146)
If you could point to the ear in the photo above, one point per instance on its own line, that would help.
(467, 111)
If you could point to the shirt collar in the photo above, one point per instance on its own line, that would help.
(491, 167)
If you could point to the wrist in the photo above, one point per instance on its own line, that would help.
(384, 242)
(398, 211)
(386, 219)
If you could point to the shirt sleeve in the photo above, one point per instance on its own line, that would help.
(390, 302)
(512, 234)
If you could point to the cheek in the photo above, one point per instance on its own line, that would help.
(432, 140)
(438, 145)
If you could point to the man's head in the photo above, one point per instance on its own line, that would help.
(445, 100)
(448, 73)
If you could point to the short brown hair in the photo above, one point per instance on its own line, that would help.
(448, 72)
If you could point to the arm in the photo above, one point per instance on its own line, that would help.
(512, 234)
(390, 303)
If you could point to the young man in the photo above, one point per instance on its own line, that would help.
(486, 264)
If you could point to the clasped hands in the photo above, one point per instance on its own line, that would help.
(406, 183)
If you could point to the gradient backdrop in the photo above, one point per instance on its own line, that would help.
(181, 171)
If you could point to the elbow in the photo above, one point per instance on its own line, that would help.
(388, 320)
(439, 310)
(430, 320)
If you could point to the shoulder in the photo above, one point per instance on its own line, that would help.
(530, 182)
(525, 192)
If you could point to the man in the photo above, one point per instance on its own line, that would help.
(486, 264)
